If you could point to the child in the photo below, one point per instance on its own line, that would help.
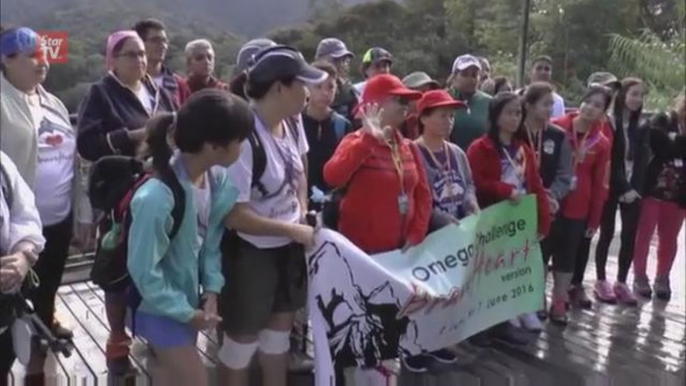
(207, 131)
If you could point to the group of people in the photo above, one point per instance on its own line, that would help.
(385, 161)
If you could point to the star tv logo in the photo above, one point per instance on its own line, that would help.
(54, 46)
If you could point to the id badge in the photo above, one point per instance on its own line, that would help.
(403, 204)
(572, 186)
(679, 163)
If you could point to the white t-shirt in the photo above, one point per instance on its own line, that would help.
(202, 203)
(55, 166)
(558, 105)
(360, 87)
(282, 201)
(146, 98)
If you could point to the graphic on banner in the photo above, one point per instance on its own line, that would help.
(458, 282)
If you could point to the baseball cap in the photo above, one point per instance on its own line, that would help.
(419, 79)
(279, 62)
(332, 47)
(382, 86)
(247, 51)
(465, 61)
(17, 40)
(437, 98)
(377, 55)
(604, 78)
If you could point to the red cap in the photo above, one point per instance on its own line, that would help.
(382, 86)
(437, 98)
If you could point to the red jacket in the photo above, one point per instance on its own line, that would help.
(485, 159)
(369, 212)
(586, 201)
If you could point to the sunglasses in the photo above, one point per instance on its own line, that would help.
(401, 101)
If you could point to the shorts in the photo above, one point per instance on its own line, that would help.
(163, 332)
(259, 283)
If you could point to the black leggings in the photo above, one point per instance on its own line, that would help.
(562, 243)
(6, 356)
(50, 267)
(630, 214)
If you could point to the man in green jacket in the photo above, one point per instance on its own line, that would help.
(472, 122)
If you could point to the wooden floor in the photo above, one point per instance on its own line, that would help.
(608, 345)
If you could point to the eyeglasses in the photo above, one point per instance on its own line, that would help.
(132, 54)
(401, 101)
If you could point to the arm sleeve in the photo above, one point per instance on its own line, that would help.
(641, 160)
(470, 188)
(485, 179)
(565, 172)
(349, 156)
(240, 173)
(423, 205)
(600, 187)
(98, 133)
(25, 223)
(148, 243)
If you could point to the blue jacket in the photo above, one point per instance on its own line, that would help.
(168, 275)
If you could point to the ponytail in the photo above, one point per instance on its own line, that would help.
(157, 141)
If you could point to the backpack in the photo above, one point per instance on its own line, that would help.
(259, 156)
(7, 193)
(113, 183)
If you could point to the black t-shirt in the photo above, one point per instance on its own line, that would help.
(323, 139)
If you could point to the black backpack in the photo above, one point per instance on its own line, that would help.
(113, 182)
(259, 156)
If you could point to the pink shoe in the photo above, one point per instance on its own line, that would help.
(603, 291)
(625, 295)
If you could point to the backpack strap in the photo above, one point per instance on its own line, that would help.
(7, 193)
(259, 155)
(172, 181)
(339, 125)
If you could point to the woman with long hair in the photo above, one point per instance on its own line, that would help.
(629, 161)
(263, 255)
(112, 120)
(582, 207)
(208, 131)
(553, 153)
(505, 168)
(664, 205)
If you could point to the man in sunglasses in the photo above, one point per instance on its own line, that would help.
(200, 63)
(154, 36)
(542, 71)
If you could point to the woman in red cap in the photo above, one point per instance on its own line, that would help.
(447, 167)
(387, 203)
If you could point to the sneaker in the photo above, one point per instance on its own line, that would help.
(603, 292)
(642, 287)
(662, 288)
(444, 356)
(624, 294)
(514, 322)
(60, 331)
(578, 297)
(558, 312)
(417, 364)
(531, 322)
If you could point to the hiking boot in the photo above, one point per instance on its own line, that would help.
(662, 288)
(603, 292)
(578, 297)
(60, 331)
(531, 322)
(417, 363)
(558, 312)
(624, 295)
(443, 356)
(642, 287)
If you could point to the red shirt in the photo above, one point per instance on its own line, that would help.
(485, 161)
(370, 210)
(592, 172)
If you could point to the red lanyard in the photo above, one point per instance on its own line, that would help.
(579, 150)
(518, 173)
(443, 166)
(537, 149)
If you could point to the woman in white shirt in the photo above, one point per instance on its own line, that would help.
(264, 260)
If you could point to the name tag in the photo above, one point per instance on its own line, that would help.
(549, 146)
(679, 163)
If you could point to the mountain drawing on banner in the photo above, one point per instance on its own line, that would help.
(361, 322)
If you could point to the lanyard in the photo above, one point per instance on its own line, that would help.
(398, 163)
(442, 166)
(518, 173)
(537, 149)
(579, 149)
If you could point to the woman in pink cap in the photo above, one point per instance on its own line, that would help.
(112, 120)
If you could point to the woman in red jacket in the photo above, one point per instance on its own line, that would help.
(387, 203)
(504, 168)
(583, 205)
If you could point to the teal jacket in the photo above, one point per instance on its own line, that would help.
(472, 122)
(169, 275)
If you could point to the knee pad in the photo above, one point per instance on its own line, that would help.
(274, 342)
(234, 355)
